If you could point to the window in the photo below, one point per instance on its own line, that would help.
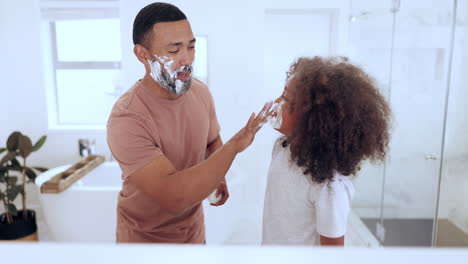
(86, 58)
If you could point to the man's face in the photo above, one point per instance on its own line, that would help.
(172, 52)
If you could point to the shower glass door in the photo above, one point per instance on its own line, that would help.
(420, 67)
(405, 45)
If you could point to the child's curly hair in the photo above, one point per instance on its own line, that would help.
(342, 118)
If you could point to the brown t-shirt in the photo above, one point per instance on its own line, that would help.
(142, 127)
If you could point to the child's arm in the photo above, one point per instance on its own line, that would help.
(328, 241)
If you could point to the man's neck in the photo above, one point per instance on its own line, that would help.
(149, 82)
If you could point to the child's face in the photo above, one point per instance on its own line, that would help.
(288, 117)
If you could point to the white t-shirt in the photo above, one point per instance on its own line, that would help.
(297, 210)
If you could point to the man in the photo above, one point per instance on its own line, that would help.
(164, 133)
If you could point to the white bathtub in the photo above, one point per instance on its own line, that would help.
(86, 212)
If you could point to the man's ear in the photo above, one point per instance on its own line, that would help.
(141, 53)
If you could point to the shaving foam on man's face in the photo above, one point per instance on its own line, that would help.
(174, 81)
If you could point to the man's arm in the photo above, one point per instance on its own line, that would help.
(222, 190)
(328, 241)
(177, 191)
(213, 146)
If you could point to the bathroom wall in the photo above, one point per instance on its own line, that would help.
(23, 98)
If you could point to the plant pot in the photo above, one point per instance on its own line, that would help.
(21, 229)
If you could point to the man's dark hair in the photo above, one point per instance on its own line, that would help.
(149, 16)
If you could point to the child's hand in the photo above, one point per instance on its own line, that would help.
(246, 135)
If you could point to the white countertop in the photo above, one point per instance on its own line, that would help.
(111, 253)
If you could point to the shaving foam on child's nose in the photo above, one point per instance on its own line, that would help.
(277, 119)
(213, 198)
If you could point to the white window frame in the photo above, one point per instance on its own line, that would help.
(51, 12)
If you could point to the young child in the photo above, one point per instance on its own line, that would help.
(332, 117)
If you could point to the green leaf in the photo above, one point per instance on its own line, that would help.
(12, 209)
(41, 169)
(13, 141)
(2, 150)
(13, 192)
(31, 174)
(9, 156)
(25, 146)
(15, 165)
(39, 143)
(12, 180)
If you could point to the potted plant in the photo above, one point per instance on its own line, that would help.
(14, 175)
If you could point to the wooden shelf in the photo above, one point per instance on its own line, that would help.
(65, 179)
